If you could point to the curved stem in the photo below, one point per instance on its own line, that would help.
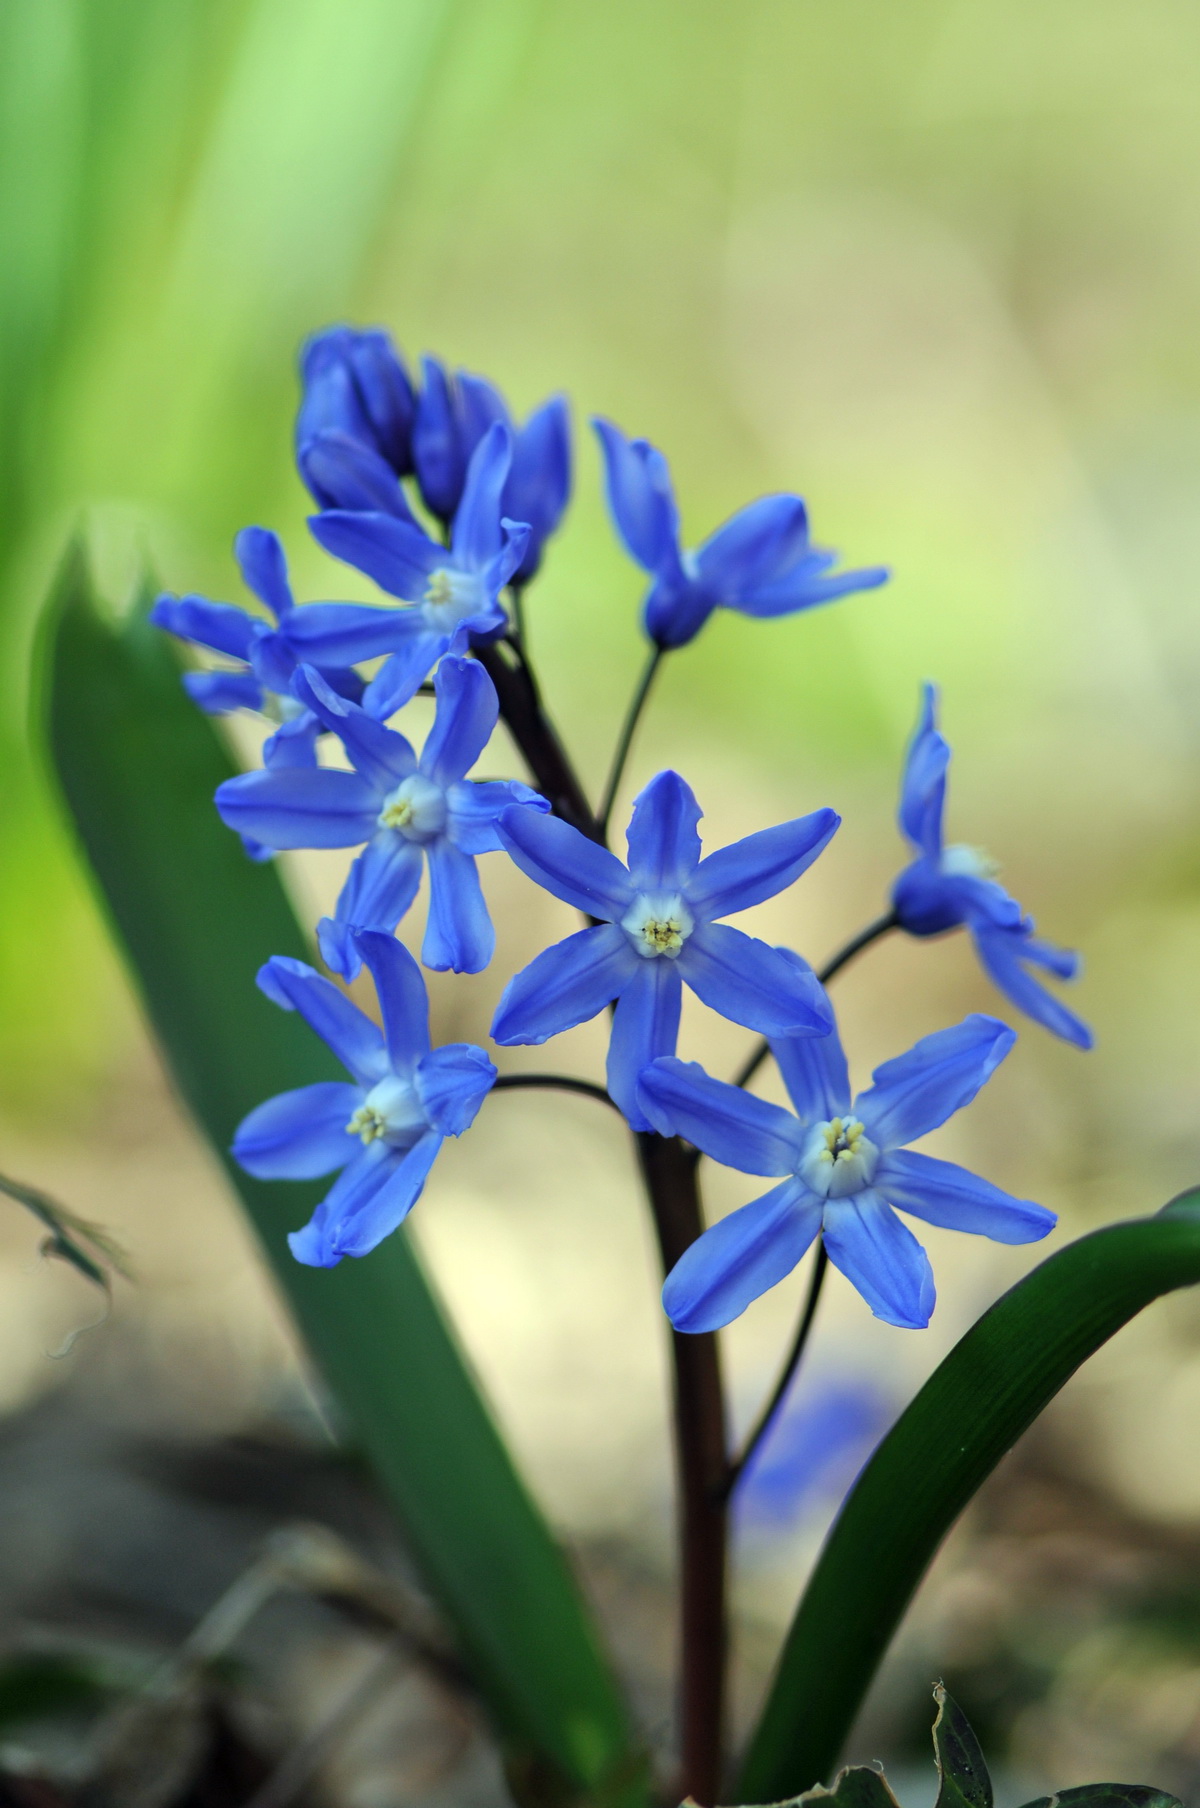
(559, 1083)
(872, 933)
(625, 739)
(766, 1417)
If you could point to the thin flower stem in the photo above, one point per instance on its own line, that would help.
(560, 1082)
(535, 734)
(625, 741)
(766, 1417)
(872, 933)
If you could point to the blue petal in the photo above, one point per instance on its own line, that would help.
(295, 807)
(923, 788)
(477, 538)
(264, 568)
(475, 806)
(539, 482)
(395, 553)
(754, 545)
(218, 693)
(645, 1026)
(216, 625)
(565, 985)
(467, 712)
(458, 932)
(452, 1084)
(400, 678)
(881, 1257)
(676, 609)
(741, 1257)
(731, 1125)
(751, 983)
(330, 399)
(514, 540)
(917, 1091)
(438, 441)
(272, 659)
(381, 757)
(386, 391)
(757, 867)
(343, 473)
(480, 405)
(403, 1000)
(664, 845)
(1001, 953)
(814, 1068)
(378, 892)
(294, 743)
(942, 1193)
(558, 857)
(806, 586)
(641, 499)
(354, 1039)
(371, 1199)
(299, 1134)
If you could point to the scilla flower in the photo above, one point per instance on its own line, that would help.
(659, 932)
(843, 1169)
(760, 562)
(383, 1127)
(357, 393)
(408, 811)
(947, 887)
(454, 591)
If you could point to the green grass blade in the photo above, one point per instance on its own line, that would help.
(973, 1408)
(138, 765)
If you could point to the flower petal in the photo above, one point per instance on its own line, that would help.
(218, 693)
(806, 586)
(366, 1204)
(477, 537)
(458, 933)
(917, 1091)
(729, 1124)
(339, 634)
(216, 625)
(741, 1257)
(663, 842)
(452, 1083)
(881, 1257)
(378, 893)
(641, 499)
(345, 473)
(294, 742)
(264, 568)
(395, 553)
(751, 983)
(539, 481)
(438, 440)
(354, 1039)
(923, 788)
(299, 807)
(754, 545)
(403, 1000)
(380, 756)
(942, 1193)
(475, 806)
(757, 867)
(645, 1026)
(1001, 953)
(566, 863)
(467, 712)
(813, 1068)
(418, 649)
(565, 985)
(299, 1134)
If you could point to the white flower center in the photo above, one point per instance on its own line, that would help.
(450, 596)
(416, 809)
(390, 1110)
(839, 1158)
(658, 923)
(962, 861)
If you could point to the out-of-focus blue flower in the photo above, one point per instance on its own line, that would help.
(454, 591)
(812, 1451)
(844, 1169)
(383, 1128)
(407, 811)
(453, 414)
(760, 562)
(330, 636)
(947, 887)
(354, 426)
(658, 931)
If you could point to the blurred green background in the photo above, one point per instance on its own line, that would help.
(935, 266)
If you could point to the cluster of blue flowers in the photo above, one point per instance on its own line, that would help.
(433, 491)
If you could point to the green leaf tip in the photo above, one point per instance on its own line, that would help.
(963, 1776)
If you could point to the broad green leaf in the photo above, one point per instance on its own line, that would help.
(138, 766)
(973, 1408)
(963, 1780)
(1108, 1795)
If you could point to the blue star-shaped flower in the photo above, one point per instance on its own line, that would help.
(658, 931)
(845, 1168)
(408, 811)
(454, 591)
(384, 1128)
(760, 562)
(947, 887)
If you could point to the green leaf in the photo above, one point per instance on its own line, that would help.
(138, 765)
(963, 1780)
(1108, 1795)
(973, 1408)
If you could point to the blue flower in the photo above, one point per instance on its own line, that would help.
(453, 414)
(454, 591)
(658, 929)
(812, 1451)
(760, 562)
(845, 1168)
(407, 811)
(946, 887)
(355, 419)
(382, 1129)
